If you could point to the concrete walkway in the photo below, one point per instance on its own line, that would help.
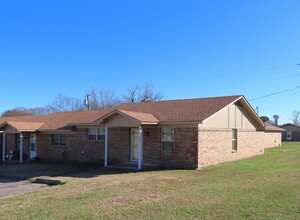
(10, 187)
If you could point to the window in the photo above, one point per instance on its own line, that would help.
(167, 140)
(96, 134)
(234, 140)
(58, 139)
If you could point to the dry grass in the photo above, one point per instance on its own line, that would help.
(264, 187)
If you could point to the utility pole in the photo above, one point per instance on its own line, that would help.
(87, 101)
(256, 110)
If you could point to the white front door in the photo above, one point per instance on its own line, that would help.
(134, 144)
(32, 145)
(289, 135)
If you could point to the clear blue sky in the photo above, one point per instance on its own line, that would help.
(187, 49)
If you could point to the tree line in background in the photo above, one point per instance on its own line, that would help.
(98, 99)
(105, 99)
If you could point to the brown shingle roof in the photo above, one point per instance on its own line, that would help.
(269, 127)
(140, 116)
(143, 117)
(58, 120)
(25, 126)
(61, 119)
(185, 110)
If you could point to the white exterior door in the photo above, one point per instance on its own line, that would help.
(32, 145)
(134, 144)
(289, 135)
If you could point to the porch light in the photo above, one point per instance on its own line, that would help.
(147, 133)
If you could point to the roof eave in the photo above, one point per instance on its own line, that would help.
(149, 123)
(81, 124)
(256, 116)
(180, 122)
(26, 130)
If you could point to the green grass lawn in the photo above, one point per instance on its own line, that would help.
(262, 187)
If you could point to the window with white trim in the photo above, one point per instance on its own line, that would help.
(167, 140)
(96, 134)
(234, 140)
(58, 139)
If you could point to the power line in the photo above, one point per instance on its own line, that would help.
(279, 102)
(265, 96)
(275, 93)
(213, 77)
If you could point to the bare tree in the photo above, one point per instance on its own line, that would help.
(131, 95)
(146, 93)
(94, 100)
(108, 99)
(295, 117)
(103, 99)
(63, 103)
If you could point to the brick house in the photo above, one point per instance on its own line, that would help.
(291, 132)
(190, 133)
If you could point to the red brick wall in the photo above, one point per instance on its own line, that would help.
(77, 147)
(1, 145)
(185, 148)
(1, 149)
(119, 145)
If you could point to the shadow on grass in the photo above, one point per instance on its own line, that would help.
(28, 171)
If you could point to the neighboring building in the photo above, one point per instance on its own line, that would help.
(291, 132)
(190, 133)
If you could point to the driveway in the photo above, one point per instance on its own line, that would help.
(13, 176)
(10, 187)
